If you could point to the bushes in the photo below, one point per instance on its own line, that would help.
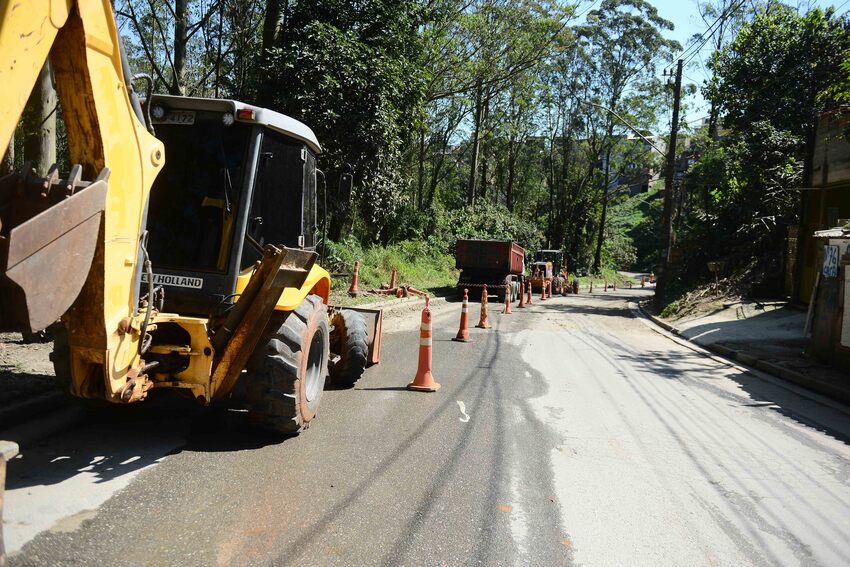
(419, 263)
(424, 253)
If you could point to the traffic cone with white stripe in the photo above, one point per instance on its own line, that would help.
(528, 301)
(463, 332)
(507, 310)
(424, 380)
(483, 323)
(353, 291)
(543, 290)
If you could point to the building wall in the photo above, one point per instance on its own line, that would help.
(827, 200)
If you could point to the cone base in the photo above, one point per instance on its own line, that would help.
(461, 340)
(479, 326)
(432, 388)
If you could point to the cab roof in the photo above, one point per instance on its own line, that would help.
(263, 116)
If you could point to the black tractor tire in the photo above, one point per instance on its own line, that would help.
(287, 371)
(350, 341)
(556, 285)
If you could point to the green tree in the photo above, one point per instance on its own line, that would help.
(777, 67)
(352, 71)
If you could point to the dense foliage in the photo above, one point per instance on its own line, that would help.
(770, 83)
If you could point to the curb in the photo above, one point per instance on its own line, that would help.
(774, 370)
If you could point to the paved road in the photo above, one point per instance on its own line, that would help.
(571, 432)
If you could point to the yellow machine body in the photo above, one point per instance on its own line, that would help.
(104, 319)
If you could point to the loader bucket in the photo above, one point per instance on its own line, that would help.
(374, 319)
(48, 238)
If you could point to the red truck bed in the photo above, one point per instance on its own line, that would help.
(503, 256)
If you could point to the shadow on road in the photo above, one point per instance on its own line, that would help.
(113, 442)
(695, 368)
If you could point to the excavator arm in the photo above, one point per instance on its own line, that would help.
(70, 245)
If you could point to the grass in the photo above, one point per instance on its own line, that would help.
(608, 274)
(418, 264)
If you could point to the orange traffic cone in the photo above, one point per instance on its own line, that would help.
(521, 296)
(463, 331)
(353, 291)
(528, 300)
(424, 380)
(543, 290)
(483, 323)
(507, 310)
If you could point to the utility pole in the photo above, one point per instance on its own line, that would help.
(668, 238)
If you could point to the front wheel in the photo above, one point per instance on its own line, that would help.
(286, 374)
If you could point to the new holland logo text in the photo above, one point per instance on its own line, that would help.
(178, 281)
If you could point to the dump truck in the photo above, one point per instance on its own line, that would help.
(178, 254)
(497, 263)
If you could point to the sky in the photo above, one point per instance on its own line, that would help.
(687, 21)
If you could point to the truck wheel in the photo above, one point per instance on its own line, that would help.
(286, 374)
(350, 341)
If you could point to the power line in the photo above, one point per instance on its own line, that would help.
(589, 8)
(703, 38)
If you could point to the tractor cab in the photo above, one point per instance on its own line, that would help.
(236, 177)
(556, 257)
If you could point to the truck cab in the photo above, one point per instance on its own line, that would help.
(236, 177)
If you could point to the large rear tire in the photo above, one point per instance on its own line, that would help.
(350, 341)
(286, 374)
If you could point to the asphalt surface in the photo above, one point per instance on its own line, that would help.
(570, 433)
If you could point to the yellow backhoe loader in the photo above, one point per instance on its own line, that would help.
(180, 249)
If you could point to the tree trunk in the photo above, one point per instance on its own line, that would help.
(271, 23)
(180, 27)
(509, 186)
(40, 123)
(476, 142)
(597, 256)
(420, 182)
